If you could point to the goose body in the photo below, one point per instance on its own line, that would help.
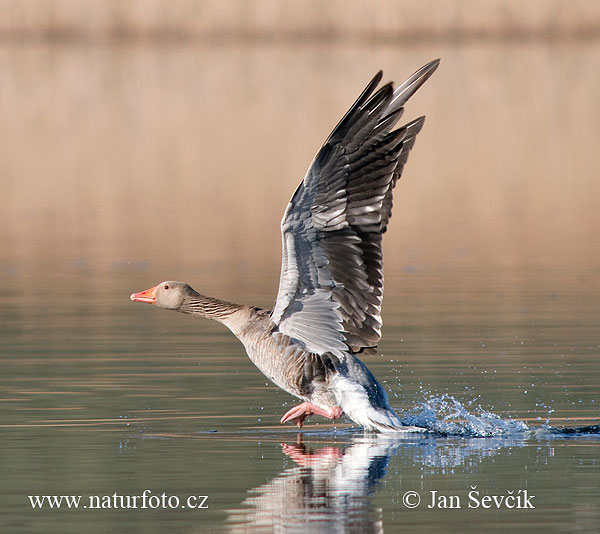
(328, 308)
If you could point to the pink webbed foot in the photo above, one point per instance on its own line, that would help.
(307, 457)
(299, 413)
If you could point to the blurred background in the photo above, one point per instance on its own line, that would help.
(157, 140)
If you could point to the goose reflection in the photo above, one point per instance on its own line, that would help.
(330, 489)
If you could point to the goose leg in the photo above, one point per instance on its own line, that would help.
(307, 457)
(299, 413)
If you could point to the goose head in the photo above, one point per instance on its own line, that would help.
(169, 295)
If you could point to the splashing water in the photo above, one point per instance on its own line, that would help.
(446, 415)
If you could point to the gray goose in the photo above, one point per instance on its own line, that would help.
(328, 308)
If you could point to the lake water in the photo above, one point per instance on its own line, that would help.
(123, 167)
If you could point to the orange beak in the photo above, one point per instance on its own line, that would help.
(145, 296)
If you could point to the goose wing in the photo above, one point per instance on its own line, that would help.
(331, 284)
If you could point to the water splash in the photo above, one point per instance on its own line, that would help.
(446, 415)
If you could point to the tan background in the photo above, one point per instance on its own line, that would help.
(167, 137)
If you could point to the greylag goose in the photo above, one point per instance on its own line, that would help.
(328, 308)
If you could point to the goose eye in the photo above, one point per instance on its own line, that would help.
(166, 286)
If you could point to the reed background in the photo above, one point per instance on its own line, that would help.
(156, 139)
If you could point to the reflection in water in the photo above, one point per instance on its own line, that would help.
(330, 489)
(327, 491)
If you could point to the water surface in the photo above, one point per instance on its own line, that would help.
(102, 395)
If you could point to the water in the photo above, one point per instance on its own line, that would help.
(104, 396)
(157, 162)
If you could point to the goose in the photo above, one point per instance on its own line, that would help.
(328, 307)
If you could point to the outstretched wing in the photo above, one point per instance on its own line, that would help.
(331, 284)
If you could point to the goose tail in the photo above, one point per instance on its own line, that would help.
(368, 406)
(385, 420)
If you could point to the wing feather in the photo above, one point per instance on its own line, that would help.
(331, 284)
